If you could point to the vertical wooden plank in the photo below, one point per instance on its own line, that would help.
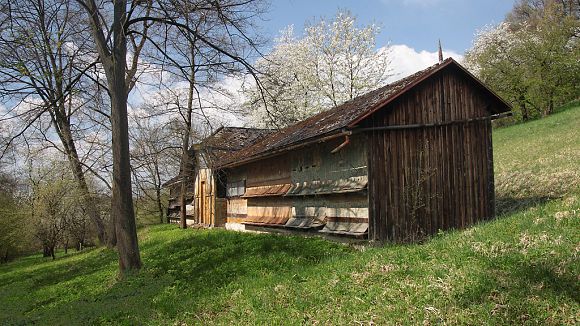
(470, 187)
(483, 170)
(373, 216)
(386, 174)
(433, 186)
(441, 182)
(462, 177)
(427, 139)
(398, 141)
(384, 140)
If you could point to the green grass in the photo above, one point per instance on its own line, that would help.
(522, 268)
(538, 160)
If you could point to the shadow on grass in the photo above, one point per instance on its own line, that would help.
(184, 273)
(544, 276)
(512, 280)
(43, 271)
(511, 205)
(216, 258)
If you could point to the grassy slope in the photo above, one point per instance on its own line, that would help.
(522, 267)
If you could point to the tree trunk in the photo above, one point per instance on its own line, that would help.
(182, 202)
(185, 159)
(122, 212)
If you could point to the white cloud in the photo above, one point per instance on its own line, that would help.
(406, 60)
(221, 104)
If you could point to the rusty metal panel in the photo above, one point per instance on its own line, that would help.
(263, 191)
(269, 211)
(347, 214)
(325, 187)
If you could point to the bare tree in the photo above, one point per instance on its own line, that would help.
(201, 64)
(129, 23)
(44, 59)
(153, 154)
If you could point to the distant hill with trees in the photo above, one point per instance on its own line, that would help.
(531, 59)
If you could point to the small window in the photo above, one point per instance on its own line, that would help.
(221, 185)
(236, 189)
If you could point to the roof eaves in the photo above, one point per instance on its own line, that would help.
(297, 144)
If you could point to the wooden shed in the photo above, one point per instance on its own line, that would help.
(174, 186)
(395, 164)
(206, 196)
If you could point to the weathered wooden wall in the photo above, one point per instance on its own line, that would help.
(424, 179)
(173, 206)
(305, 188)
(329, 189)
(209, 209)
(261, 201)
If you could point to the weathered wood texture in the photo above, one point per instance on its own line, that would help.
(422, 180)
(210, 210)
(261, 201)
(306, 188)
(318, 171)
(273, 171)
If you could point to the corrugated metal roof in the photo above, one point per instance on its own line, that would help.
(345, 116)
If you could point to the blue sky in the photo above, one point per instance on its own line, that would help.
(411, 27)
(415, 23)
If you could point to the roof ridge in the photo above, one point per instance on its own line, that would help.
(244, 128)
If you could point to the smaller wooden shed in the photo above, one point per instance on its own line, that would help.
(174, 186)
(206, 195)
